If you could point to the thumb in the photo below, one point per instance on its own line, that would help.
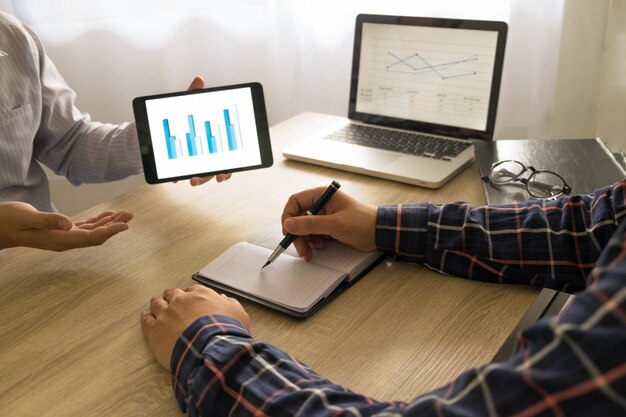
(310, 225)
(46, 221)
(197, 83)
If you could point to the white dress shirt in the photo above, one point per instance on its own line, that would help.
(40, 124)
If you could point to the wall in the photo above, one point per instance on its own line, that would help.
(583, 35)
(610, 122)
(300, 50)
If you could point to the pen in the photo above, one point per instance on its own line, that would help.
(317, 206)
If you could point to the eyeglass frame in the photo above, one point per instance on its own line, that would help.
(487, 178)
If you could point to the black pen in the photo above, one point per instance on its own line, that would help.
(317, 206)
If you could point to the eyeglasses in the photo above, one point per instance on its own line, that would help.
(540, 184)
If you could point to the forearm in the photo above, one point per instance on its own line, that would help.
(559, 365)
(550, 243)
(94, 152)
(237, 374)
(73, 145)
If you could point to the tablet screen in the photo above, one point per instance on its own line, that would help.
(202, 132)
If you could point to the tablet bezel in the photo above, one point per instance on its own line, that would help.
(145, 138)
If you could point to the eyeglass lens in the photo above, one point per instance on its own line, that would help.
(540, 184)
(545, 184)
(506, 171)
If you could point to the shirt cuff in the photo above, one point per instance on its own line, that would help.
(188, 350)
(402, 230)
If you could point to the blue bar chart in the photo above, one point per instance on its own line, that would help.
(191, 137)
(223, 135)
(169, 140)
(203, 132)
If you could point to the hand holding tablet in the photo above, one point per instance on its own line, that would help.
(204, 132)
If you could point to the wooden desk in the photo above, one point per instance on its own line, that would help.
(70, 339)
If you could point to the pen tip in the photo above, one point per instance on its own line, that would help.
(266, 264)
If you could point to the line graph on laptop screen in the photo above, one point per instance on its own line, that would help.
(427, 74)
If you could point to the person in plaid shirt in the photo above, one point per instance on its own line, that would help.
(570, 365)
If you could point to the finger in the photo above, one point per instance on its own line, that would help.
(317, 242)
(223, 177)
(147, 321)
(119, 217)
(95, 236)
(303, 247)
(157, 305)
(89, 225)
(170, 293)
(122, 216)
(300, 202)
(28, 217)
(199, 180)
(197, 83)
(103, 233)
(94, 219)
(311, 225)
(76, 238)
(46, 221)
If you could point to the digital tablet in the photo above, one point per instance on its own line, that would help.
(203, 132)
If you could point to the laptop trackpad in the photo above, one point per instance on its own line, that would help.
(358, 156)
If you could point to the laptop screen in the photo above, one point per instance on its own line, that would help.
(434, 75)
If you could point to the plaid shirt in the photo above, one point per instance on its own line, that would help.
(573, 365)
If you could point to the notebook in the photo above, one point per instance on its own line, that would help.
(290, 284)
(584, 164)
(421, 90)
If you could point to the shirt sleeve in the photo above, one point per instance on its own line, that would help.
(573, 365)
(570, 366)
(72, 145)
(549, 243)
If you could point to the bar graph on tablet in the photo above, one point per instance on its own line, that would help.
(218, 136)
(202, 132)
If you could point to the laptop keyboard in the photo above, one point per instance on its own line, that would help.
(405, 142)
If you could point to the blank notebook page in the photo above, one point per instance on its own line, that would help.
(336, 255)
(289, 282)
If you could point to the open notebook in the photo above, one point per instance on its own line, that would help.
(291, 284)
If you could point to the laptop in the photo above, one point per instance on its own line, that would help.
(422, 90)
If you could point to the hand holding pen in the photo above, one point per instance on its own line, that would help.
(315, 208)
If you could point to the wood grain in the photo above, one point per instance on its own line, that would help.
(70, 340)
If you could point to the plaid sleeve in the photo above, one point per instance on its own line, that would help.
(569, 366)
(573, 365)
(218, 369)
(548, 243)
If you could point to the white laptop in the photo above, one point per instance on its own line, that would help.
(422, 89)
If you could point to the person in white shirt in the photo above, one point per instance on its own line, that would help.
(40, 124)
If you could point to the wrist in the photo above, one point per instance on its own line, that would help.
(198, 334)
(190, 349)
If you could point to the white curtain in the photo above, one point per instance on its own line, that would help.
(300, 50)
(112, 50)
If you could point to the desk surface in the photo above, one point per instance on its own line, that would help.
(70, 339)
